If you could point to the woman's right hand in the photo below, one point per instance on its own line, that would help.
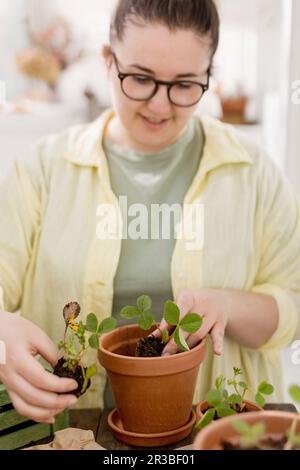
(35, 393)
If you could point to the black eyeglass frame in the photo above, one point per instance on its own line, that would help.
(157, 83)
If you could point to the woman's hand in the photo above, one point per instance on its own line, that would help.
(213, 306)
(35, 393)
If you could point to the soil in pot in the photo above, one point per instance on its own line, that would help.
(149, 347)
(75, 373)
(268, 443)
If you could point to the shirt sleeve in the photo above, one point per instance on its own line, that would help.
(21, 195)
(279, 269)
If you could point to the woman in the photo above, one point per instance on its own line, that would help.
(58, 244)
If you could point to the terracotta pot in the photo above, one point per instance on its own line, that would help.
(153, 395)
(202, 407)
(276, 422)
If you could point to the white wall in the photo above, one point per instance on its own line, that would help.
(13, 38)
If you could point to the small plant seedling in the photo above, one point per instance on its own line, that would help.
(250, 435)
(78, 337)
(223, 403)
(190, 323)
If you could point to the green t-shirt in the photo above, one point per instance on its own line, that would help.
(143, 182)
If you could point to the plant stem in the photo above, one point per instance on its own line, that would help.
(65, 343)
(85, 382)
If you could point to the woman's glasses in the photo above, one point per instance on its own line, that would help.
(138, 87)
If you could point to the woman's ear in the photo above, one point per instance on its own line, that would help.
(107, 55)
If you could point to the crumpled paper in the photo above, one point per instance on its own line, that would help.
(70, 439)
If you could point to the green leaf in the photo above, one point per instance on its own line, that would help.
(171, 313)
(258, 429)
(214, 397)
(146, 320)
(241, 427)
(165, 336)
(81, 333)
(144, 303)
(243, 385)
(91, 323)
(130, 312)
(260, 399)
(108, 324)
(252, 435)
(294, 391)
(91, 371)
(225, 393)
(179, 340)
(237, 371)
(265, 388)
(206, 418)
(235, 399)
(223, 411)
(191, 322)
(94, 341)
(220, 381)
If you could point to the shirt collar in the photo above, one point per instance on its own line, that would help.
(85, 145)
(221, 144)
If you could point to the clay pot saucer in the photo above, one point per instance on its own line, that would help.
(151, 439)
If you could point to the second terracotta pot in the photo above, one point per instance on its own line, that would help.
(276, 423)
(152, 395)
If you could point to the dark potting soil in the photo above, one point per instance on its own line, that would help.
(269, 443)
(149, 347)
(237, 408)
(75, 374)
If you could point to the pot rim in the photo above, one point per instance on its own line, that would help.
(154, 359)
(149, 366)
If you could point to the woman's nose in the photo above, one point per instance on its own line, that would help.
(160, 103)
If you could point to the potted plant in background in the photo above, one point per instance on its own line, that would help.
(264, 430)
(219, 402)
(153, 394)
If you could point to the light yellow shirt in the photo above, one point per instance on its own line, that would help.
(51, 253)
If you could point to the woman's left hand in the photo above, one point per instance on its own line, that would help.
(213, 306)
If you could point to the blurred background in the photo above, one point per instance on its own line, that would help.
(52, 75)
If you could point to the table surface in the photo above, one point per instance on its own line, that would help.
(96, 420)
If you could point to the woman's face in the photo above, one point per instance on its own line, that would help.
(157, 52)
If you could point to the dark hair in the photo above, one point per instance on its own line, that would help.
(201, 16)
